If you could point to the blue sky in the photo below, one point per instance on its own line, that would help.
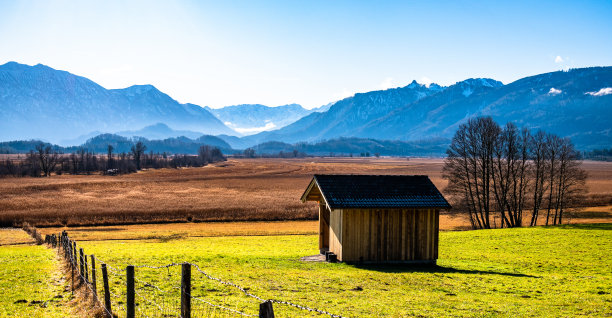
(221, 53)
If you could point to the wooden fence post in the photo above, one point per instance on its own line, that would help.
(93, 278)
(130, 301)
(81, 257)
(75, 257)
(86, 269)
(266, 310)
(70, 256)
(107, 300)
(186, 291)
(72, 271)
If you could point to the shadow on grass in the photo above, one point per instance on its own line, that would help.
(412, 268)
(594, 226)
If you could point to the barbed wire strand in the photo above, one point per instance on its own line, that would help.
(263, 300)
(217, 306)
(148, 300)
(243, 290)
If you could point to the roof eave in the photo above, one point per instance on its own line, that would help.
(304, 197)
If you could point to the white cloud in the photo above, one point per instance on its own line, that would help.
(254, 130)
(554, 91)
(559, 59)
(342, 95)
(386, 83)
(601, 92)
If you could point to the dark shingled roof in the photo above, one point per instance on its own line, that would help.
(379, 191)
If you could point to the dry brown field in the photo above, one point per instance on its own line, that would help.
(236, 190)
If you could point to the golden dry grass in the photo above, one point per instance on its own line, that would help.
(181, 230)
(12, 236)
(236, 190)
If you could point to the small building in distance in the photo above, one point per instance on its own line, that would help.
(378, 218)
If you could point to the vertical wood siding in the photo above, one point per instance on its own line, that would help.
(379, 235)
(335, 233)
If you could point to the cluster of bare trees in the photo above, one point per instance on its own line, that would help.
(45, 160)
(513, 173)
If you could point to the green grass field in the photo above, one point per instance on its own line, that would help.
(31, 283)
(525, 272)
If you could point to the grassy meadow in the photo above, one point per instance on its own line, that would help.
(31, 283)
(523, 272)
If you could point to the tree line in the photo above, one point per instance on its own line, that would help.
(45, 160)
(599, 154)
(513, 173)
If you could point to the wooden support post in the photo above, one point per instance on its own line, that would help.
(82, 266)
(130, 299)
(186, 291)
(107, 300)
(266, 310)
(93, 278)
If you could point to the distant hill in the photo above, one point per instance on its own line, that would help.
(184, 145)
(159, 131)
(254, 118)
(177, 145)
(99, 144)
(41, 102)
(358, 146)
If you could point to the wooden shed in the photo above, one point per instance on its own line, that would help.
(377, 218)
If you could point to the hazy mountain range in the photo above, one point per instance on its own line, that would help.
(254, 118)
(40, 102)
(576, 104)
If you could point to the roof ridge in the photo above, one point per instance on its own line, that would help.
(377, 191)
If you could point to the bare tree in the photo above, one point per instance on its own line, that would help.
(137, 150)
(538, 173)
(553, 145)
(204, 154)
(109, 157)
(469, 168)
(571, 179)
(48, 158)
(491, 170)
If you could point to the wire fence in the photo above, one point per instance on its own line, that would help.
(122, 293)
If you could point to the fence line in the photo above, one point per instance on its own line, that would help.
(77, 259)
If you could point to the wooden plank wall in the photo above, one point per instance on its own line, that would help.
(335, 233)
(379, 235)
